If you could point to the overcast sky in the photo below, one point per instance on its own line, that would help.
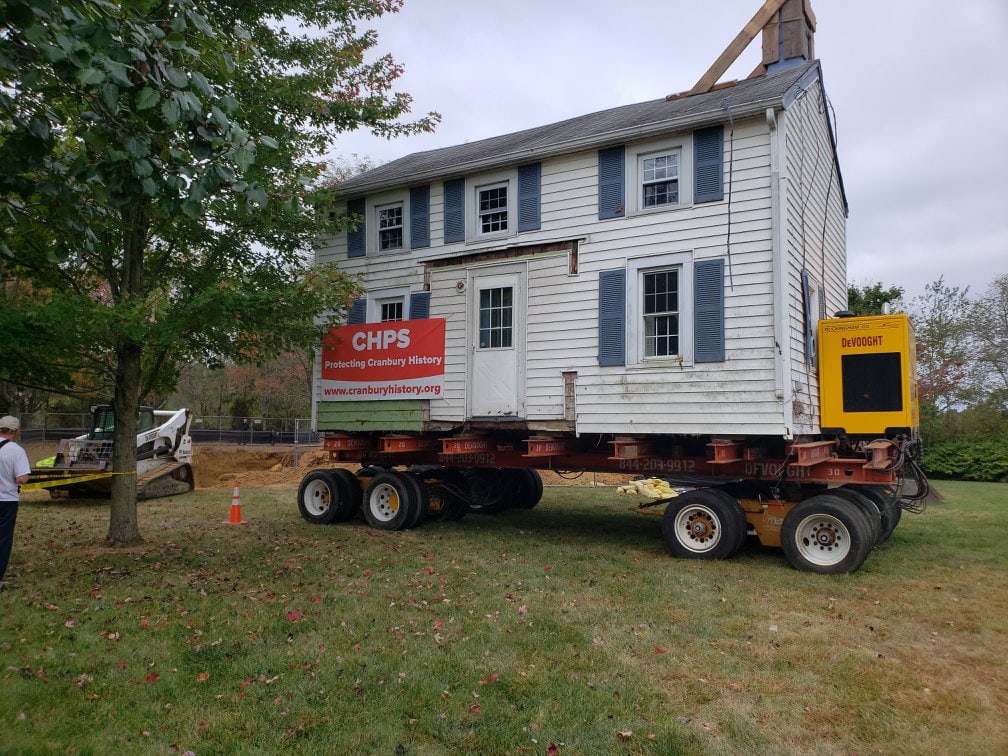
(919, 87)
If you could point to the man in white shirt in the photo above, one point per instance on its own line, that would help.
(14, 470)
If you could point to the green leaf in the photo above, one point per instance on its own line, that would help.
(200, 23)
(147, 98)
(175, 41)
(89, 77)
(39, 128)
(192, 208)
(150, 187)
(142, 168)
(200, 82)
(110, 97)
(269, 142)
(170, 111)
(257, 196)
(177, 77)
(241, 32)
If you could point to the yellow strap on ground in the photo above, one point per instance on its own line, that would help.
(54, 482)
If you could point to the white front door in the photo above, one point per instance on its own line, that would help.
(497, 369)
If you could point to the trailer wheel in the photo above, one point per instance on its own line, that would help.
(886, 500)
(421, 500)
(388, 501)
(348, 502)
(318, 495)
(825, 534)
(857, 497)
(487, 490)
(529, 488)
(704, 524)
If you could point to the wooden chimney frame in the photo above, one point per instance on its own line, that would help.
(784, 24)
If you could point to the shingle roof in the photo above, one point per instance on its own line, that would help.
(592, 130)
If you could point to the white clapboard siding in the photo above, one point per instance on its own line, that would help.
(738, 396)
(814, 240)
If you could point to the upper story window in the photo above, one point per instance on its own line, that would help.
(390, 226)
(493, 209)
(660, 313)
(390, 309)
(660, 179)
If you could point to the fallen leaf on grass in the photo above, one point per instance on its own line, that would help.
(660, 650)
(624, 734)
(153, 677)
(552, 750)
(438, 624)
(492, 678)
(294, 615)
(202, 677)
(69, 623)
(474, 709)
(201, 726)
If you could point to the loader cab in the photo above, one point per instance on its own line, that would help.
(103, 421)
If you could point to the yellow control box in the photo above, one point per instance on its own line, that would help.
(868, 376)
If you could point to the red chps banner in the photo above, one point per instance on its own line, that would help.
(395, 360)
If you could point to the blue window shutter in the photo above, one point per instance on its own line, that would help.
(355, 238)
(708, 311)
(612, 317)
(357, 314)
(419, 203)
(454, 211)
(708, 164)
(529, 193)
(807, 309)
(419, 305)
(610, 183)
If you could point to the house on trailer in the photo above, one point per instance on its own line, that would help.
(652, 269)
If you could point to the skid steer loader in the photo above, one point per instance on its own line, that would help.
(82, 466)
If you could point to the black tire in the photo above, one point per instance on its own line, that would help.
(704, 524)
(487, 490)
(530, 488)
(886, 500)
(350, 495)
(389, 501)
(857, 497)
(421, 500)
(318, 496)
(825, 534)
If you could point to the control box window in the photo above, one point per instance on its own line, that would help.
(660, 312)
(493, 209)
(390, 227)
(660, 179)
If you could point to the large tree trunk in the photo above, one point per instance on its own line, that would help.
(123, 527)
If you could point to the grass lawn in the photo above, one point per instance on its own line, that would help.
(564, 626)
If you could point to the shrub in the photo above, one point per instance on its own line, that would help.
(973, 458)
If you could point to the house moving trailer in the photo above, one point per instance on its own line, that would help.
(657, 289)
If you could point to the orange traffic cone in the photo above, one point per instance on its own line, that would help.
(235, 507)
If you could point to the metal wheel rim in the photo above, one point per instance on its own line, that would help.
(384, 502)
(823, 539)
(316, 498)
(698, 528)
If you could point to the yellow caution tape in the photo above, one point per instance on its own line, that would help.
(56, 482)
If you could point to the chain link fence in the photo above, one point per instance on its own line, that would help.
(219, 429)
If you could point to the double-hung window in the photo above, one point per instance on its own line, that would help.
(390, 227)
(660, 313)
(390, 309)
(659, 176)
(493, 209)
